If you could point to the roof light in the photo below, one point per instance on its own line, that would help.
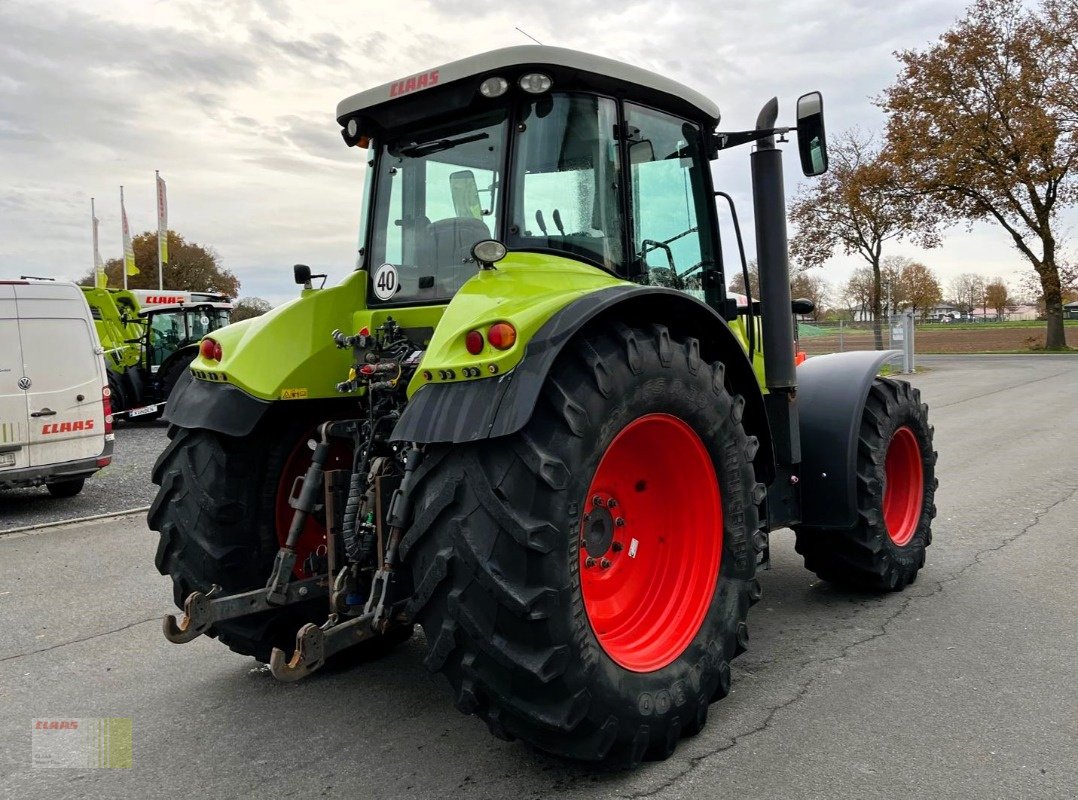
(473, 340)
(353, 127)
(493, 87)
(535, 82)
(502, 335)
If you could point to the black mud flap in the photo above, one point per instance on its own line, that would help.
(218, 407)
(831, 395)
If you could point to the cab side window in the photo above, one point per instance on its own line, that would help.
(666, 170)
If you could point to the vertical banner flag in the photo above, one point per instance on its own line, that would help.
(129, 250)
(162, 221)
(100, 278)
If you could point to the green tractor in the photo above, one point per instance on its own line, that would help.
(532, 421)
(150, 338)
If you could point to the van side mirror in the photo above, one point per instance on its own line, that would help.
(811, 137)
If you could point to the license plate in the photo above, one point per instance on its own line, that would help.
(7, 459)
(138, 412)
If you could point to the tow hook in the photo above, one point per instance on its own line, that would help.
(315, 644)
(203, 609)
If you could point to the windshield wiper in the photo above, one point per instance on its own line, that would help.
(419, 150)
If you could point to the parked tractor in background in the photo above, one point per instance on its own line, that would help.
(150, 338)
(533, 421)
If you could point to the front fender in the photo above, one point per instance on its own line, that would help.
(831, 395)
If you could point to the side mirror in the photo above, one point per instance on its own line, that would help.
(811, 137)
(802, 306)
(302, 274)
(641, 152)
(465, 194)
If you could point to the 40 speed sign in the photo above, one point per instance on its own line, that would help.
(385, 282)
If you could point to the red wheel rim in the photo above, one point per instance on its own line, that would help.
(904, 489)
(313, 538)
(651, 542)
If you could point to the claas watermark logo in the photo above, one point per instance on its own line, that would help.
(84, 743)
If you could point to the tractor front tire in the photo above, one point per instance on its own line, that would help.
(583, 584)
(896, 489)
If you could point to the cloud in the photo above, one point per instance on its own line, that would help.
(234, 103)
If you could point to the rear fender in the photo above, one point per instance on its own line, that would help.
(831, 395)
(487, 409)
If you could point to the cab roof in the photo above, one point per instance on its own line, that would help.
(454, 87)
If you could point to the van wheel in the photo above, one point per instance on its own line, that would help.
(65, 488)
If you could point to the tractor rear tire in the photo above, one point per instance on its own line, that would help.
(896, 489)
(217, 514)
(513, 538)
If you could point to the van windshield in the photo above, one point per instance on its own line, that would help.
(438, 192)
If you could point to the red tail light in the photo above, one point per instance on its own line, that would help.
(106, 403)
(502, 335)
(474, 342)
(210, 350)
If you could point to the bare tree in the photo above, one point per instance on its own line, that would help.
(856, 207)
(966, 290)
(858, 292)
(811, 287)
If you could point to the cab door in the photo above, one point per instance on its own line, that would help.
(14, 453)
(64, 365)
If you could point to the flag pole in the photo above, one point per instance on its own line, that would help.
(124, 269)
(160, 265)
(93, 223)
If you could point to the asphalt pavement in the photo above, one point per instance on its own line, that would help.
(122, 485)
(962, 686)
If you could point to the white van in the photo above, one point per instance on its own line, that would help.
(55, 414)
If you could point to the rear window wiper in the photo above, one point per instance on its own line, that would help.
(419, 150)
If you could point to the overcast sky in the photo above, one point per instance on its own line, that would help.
(233, 100)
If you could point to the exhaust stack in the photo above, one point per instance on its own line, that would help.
(769, 206)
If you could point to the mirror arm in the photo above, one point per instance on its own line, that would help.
(724, 141)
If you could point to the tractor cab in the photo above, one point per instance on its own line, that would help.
(543, 150)
(168, 329)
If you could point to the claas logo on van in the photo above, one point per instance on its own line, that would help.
(67, 427)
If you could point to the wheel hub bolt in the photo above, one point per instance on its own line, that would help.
(613, 503)
(590, 562)
(597, 500)
(619, 521)
(617, 547)
(605, 563)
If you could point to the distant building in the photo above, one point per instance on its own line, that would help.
(1070, 310)
(943, 312)
(1023, 311)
